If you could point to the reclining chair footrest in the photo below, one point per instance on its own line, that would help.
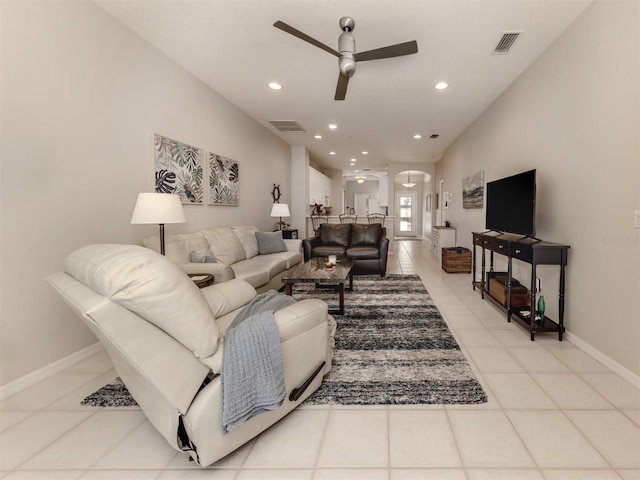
(296, 393)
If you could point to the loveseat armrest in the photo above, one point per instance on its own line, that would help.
(384, 251)
(308, 244)
(221, 271)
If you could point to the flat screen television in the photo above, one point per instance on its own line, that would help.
(511, 204)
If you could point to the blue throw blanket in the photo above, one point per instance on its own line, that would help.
(252, 377)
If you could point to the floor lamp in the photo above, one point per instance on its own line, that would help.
(158, 208)
(280, 210)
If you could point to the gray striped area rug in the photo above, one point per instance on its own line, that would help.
(392, 347)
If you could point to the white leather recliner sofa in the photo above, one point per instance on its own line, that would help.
(237, 253)
(165, 338)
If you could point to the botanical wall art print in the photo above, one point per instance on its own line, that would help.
(224, 186)
(473, 191)
(179, 169)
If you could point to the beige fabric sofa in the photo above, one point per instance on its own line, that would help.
(165, 337)
(236, 250)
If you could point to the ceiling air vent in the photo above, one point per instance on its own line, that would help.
(434, 135)
(287, 126)
(506, 42)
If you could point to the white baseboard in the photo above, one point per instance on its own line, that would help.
(624, 372)
(32, 378)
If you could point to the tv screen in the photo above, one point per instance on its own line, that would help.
(511, 204)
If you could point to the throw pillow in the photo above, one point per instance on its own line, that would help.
(197, 257)
(270, 242)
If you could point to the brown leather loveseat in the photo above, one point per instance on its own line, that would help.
(367, 244)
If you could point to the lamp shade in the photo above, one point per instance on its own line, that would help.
(280, 210)
(158, 208)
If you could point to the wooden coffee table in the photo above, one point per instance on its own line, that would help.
(314, 271)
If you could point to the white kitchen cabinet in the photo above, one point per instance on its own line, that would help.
(319, 188)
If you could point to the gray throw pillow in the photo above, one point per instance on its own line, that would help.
(197, 257)
(270, 242)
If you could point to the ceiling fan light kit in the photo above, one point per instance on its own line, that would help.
(347, 56)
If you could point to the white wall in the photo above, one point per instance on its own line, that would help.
(81, 99)
(574, 116)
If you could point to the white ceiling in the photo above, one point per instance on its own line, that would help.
(232, 46)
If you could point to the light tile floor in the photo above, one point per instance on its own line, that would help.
(553, 413)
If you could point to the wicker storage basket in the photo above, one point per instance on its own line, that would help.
(456, 260)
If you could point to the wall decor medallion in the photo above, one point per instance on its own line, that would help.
(275, 193)
(224, 181)
(473, 191)
(178, 169)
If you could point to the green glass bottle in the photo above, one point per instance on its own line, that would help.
(541, 307)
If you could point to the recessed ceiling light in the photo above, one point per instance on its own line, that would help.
(317, 136)
(275, 86)
(365, 153)
(332, 153)
(333, 126)
(417, 135)
(441, 85)
(354, 160)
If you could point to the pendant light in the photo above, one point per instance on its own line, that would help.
(409, 183)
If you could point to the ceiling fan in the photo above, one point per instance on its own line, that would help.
(347, 56)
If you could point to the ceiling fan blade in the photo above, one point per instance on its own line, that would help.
(398, 50)
(303, 36)
(341, 88)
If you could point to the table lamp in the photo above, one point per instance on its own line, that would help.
(158, 208)
(280, 210)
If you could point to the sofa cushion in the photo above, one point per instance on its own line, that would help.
(365, 234)
(225, 245)
(200, 257)
(247, 236)
(178, 246)
(151, 286)
(290, 258)
(363, 252)
(335, 234)
(326, 250)
(270, 242)
(251, 272)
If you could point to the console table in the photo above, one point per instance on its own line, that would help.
(529, 250)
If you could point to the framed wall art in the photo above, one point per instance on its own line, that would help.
(473, 191)
(224, 181)
(179, 169)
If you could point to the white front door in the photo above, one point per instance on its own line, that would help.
(406, 214)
